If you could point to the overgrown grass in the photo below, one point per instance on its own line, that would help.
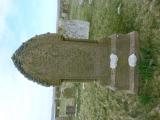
(146, 71)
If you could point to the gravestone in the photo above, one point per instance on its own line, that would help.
(51, 59)
(70, 110)
(63, 9)
(73, 29)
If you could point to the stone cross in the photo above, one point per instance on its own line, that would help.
(51, 59)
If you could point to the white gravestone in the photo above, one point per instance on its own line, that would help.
(74, 28)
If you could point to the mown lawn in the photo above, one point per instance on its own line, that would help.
(107, 17)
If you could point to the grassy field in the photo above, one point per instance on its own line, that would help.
(107, 17)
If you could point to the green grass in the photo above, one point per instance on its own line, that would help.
(144, 99)
(77, 98)
(98, 103)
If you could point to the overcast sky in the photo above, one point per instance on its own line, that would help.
(21, 99)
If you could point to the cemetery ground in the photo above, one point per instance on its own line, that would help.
(93, 100)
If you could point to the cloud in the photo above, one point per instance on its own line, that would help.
(5, 10)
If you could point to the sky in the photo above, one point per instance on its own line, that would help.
(21, 99)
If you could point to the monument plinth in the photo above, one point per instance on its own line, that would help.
(51, 59)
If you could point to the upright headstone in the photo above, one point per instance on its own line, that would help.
(63, 9)
(51, 59)
(73, 29)
(70, 110)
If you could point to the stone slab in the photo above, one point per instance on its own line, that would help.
(73, 28)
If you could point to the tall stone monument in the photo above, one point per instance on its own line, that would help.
(51, 59)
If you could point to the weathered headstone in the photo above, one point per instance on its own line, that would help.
(73, 29)
(51, 59)
(70, 110)
(63, 9)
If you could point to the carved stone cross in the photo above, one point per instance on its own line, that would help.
(51, 59)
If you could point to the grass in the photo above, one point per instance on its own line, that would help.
(98, 103)
(77, 98)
